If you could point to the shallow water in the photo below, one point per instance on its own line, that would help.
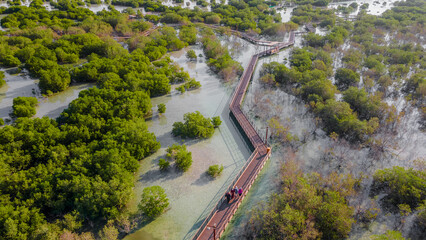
(192, 194)
(319, 153)
(16, 86)
(186, 4)
(373, 8)
(53, 106)
(286, 13)
(21, 85)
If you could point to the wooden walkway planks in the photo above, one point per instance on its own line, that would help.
(223, 211)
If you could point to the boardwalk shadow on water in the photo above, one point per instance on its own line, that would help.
(194, 228)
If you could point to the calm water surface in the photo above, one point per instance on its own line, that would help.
(193, 194)
(21, 85)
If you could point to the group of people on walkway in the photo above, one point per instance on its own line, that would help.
(235, 192)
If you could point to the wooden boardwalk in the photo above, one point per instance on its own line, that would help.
(214, 225)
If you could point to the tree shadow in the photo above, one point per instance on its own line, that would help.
(139, 222)
(189, 141)
(157, 174)
(26, 90)
(5, 112)
(152, 117)
(167, 139)
(54, 113)
(203, 179)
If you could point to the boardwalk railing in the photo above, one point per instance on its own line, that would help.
(222, 214)
(222, 199)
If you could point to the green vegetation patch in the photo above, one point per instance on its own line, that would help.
(24, 106)
(2, 81)
(154, 201)
(219, 59)
(307, 206)
(161, 108)
(179, 154)
(215, 170)
(191, 55)
(195, 125)
(402, 186)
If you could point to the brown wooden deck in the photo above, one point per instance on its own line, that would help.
(223, 211)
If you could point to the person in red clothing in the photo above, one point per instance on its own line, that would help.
(240, 191)
(232, 193)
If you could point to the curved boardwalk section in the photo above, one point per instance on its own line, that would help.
(214, 225)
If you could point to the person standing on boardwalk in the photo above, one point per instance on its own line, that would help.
(232, 193)
(240, 191)
(236, 191)
(228, 196)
